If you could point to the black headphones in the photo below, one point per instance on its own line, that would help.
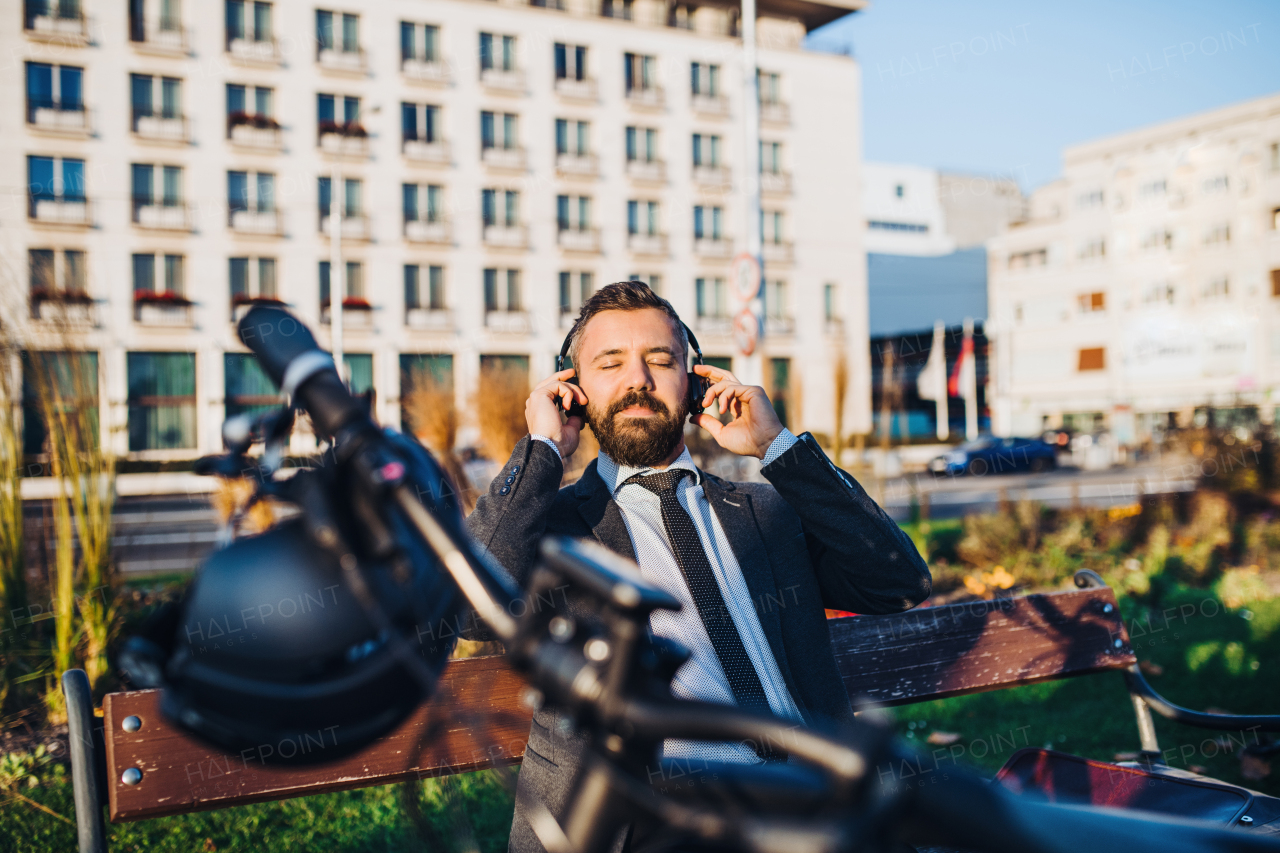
(698, 385)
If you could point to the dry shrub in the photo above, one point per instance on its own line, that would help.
(499, 407)
(433, 416)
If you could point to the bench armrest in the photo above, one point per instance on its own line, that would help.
(1138, 686)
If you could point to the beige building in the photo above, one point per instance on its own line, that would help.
(171, 162)
(1146, 282)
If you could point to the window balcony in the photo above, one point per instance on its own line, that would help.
(649, 245)
(58, 119)
(176, 129)
(344, 140)
(427, 153)
(63, 308)
(257, 133)
(351, 62)
(647, 171)
(257, 52)
(585, 91)
(68, 30)
(60, 211)
(429, 319)
(256, 223)
(577, 165)
(506, 236)
(161, 310)
(779, 252)
(775, 183)
(357, 314)
(353, 227)
(776, 113)
(834, 327)
(437, 233)
(712, 177)
(503, 82)
(581, 240)
(779, 327)
(431, 73)
(508, 322)
(651, 98)
(713, 248)
(168, 39)
(242, 304)
(508, 159)
(713, 106)
(714, 325)
(162, 217)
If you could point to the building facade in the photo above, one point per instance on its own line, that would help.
(494, 163)
(1146, 283)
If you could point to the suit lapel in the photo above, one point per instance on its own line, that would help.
(737, 518)
(602, 515)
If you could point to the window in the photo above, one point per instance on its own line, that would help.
(1275, 156)
(419, 43)
(1091, 358)
(642, 217)
(502, 290)
(251, 279)
(573, 213)
(427, 372)
(706, 150)
(423, 203)
(1156, 239)
(162, 400)
(620, 9)
(64, 11)
(1219, 233)
(776, 300)
(905, 227)
(54, 87)
(74, 379)
(642, 144)
(711, 297)
(1091, 199)
(497, 53)
(254, 191)
(899, 191)
(427, 294)
(770, 86)
(1093, 249)
(1275, 282)
(1152, 189)
(248, 390)
(500, 208)
(575, 289)
(251, 105)
(337, 32)
(1031, 258)
(499, 130)
(355, 285)
(144, 187)
(248, 21)
(1217, 288)
(50, 279)
(572, 137)
(705, 80)
(829, 309)
(168, 279)
(1160, 293)
(1091, 303)
(708, 223)
(771, 226)
(1218, 184)
(352, 197)
(420, 122)
(639, 72)
(329, 119)
(571, 61)
(780, 388)
(771, 157)
(54, 179)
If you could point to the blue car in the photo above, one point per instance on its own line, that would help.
(991, 455)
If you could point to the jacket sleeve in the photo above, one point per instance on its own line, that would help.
(864, 562)
(511, 517)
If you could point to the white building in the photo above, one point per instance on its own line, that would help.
(1146, 282)
(496, 161)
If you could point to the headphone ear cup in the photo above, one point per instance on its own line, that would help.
(697, 388)
(576, 408)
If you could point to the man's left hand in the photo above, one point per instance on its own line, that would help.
(755, 424)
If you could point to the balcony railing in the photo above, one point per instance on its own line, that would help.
(259, 132)
(775, 183)
(509, 159)
(254, 51)
(712, 247)
(507, 82)
(161, 309)
(647, 171)
(357, 314)
(779, 252)
(714, 325)
(507, 322)
(585, 240)
(60, 211)
(711, 177)
(344, 140)
(166, 39)
(162, 217)
(577, 90)
(716, 106)
(342, 61)
(579, 165)
(74, 308)
(652, 245)
(506, 236)
(242, 304)
(776, 112)
(779, 327)
(69, 119)
(650, 98)
(432, 153)
(435, 232)
(266, 223)
(353, 227)
(67, 28)
(419, 71)
(162, 128)
(429, 319)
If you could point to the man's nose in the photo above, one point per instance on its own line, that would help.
(638, 375)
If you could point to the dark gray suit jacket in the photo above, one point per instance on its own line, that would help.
(809, 539)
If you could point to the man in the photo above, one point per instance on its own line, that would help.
(771, 557)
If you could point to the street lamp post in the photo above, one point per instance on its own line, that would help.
(337, 269)
(753, 361)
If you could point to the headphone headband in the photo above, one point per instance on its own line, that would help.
(690, 338)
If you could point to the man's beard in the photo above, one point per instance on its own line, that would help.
(638, 442)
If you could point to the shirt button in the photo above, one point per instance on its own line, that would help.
(504, 490)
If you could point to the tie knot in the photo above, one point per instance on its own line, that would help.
(660, 482)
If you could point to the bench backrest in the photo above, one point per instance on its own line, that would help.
(477, 720)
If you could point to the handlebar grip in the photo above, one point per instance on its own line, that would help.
(281, 342)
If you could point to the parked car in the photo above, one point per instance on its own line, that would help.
(991, 455)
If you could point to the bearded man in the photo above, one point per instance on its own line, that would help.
(753, 564)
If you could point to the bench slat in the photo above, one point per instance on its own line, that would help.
(485, 725)
(935, 652)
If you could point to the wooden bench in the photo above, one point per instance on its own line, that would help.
(138, 765)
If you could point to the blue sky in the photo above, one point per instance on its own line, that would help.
(1001, 87)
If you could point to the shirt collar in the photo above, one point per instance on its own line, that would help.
(614, 475)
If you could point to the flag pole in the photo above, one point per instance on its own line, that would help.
(940, 380)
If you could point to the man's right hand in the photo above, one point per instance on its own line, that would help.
(550, 397)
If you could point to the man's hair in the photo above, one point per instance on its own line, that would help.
(624, 296)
